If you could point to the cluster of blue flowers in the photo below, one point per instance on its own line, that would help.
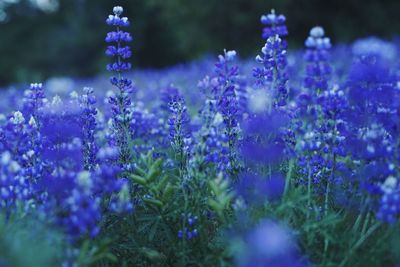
(190, 231)
(121, 101)
(273, 76)
(94, 162)
(50, 159)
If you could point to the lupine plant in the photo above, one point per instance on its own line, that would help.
(272, 76)
(214, 164)
(121, 102)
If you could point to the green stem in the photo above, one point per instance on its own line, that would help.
(359, 218)
(326, 246)
(364, 228)
(309, 192)
(288, 177)
(358, 244)
(327, 191)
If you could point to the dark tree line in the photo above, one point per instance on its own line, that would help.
(36, 45)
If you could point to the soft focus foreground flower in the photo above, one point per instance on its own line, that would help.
(269, 244)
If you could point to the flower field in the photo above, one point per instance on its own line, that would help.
(289, 159)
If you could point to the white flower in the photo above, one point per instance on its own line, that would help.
(370, 148)
(14, 166)
(389, 185)
(56, 100)
(230, 55)
(110, 93)
(259, 101)
(317, 32)
(73, 95)
(84, 179)
(218, 119)
(118, 10)
(5, 158)
(36, 86)
(30, 153)
(17, 118)
(32, 122)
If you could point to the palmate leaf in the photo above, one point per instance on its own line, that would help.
(222, 197)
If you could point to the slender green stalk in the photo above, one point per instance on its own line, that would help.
(359, 243)
(288, 176)
(308, 192)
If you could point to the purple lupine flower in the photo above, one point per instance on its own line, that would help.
(389, 205)
(262, 141)
(374, 46)
(105, 184)
(373, 133)
(270, 244)
(81, 208)
(272, 76)
(14, 185)
(147, 127)
(23, 138)
(255, 189)
(389, 208)
(34, 100)
(333, 130)
(120, 201)
(121, 103)
(34, 103)
(263, 149)
(320, 115)
(75, 196)
(274, 25)
(180, 134)
(370, 86)
(225, 94)
(62, 156)
(372, 97)
(116, 19)
(88, 121)
(61, 134)
(318, 69)
(273, 73)
(220, 115)
(17, 137)
(189, 231)
(71, 200)
(212, 148)
(227, 90)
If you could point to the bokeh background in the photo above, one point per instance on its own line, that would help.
(45, 38)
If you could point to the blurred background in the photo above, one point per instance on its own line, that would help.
(45, 38)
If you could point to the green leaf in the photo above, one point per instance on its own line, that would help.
(137, 179)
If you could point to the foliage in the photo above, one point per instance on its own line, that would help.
(290, 160)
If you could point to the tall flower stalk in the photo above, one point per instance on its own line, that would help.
(34, 102)
(272, 76)
(274, 25)
(320, 110)
(318, 69)
(179, 130)
(121, 102)
(227, 99)
(88, 121)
